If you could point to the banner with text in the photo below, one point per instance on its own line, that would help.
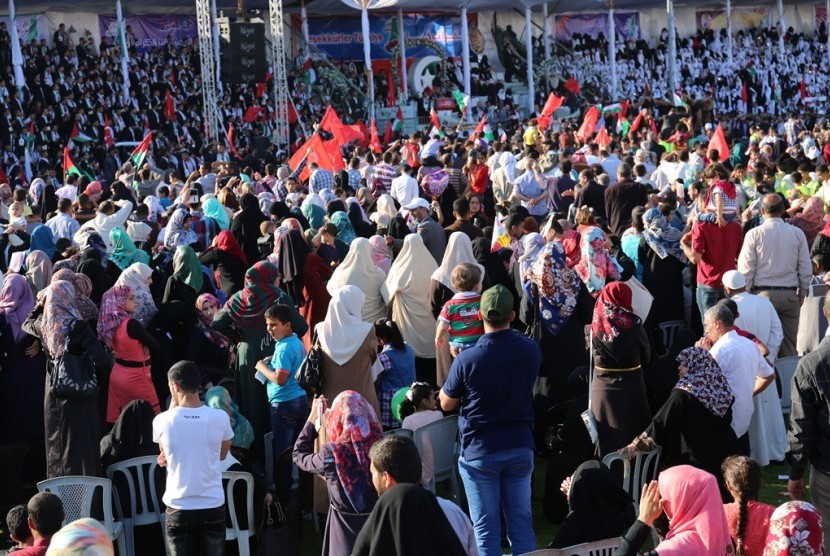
(742, 18)
(151, 31)
(30, 27)
(341, 37)
(626, 23)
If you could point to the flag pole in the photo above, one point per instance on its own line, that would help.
(125, 70)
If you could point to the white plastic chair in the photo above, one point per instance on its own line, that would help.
(646, 466)
(670, 328)
(235, 532)
(142, 499)
(443, 435)
(77, 493)
(786, 370)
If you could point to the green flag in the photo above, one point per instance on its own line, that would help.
(33, 33)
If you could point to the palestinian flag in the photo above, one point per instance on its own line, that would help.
(488, 133)
(678, 102)
(397, 123)
(69, 166)
(461, 99)
(109, 140)
(140, 152)
(30, 136)
(79, 137)
(481, 127)
(500, 238)
(612, 109)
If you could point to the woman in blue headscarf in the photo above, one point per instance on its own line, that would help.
(43, 240)
(212, 208)
(663, 263)
(345, 231)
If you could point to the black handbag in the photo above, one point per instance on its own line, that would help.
(73, 376)
(275, 535)
(309, 375)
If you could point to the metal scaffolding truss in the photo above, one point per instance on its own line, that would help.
(207, 59)
(278, 53)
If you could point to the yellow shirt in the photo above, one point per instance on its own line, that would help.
(530, 136)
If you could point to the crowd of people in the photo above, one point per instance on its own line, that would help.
(216, 294)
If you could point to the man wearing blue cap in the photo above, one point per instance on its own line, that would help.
(492, 383)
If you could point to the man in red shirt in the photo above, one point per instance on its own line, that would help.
(478, 174)
(45, 519)
(715, 252)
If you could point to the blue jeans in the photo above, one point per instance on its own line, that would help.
(496, 483)
(287, 420)
(707, 297)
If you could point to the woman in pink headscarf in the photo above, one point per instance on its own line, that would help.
(380, 253)
(692, 502)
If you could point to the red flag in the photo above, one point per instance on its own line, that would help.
(623, 109)
(653, 126)
(589, 124)
(602, 138)
(572, 85)
(335, 155)
(252, 113)
(331, 122)
(636, 124)
(364, 131)
(433, 117)
(169, 106)
(803, 89)
(718, 142)
(293, 117)
(231, 145)
(392, 95)
(388, 133)
(480, 127)
(260, 89)
(374, 140)
(744, 92)
(552, 104)
(322, 153)
(109, 141)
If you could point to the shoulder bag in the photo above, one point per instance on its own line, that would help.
(309, 375)
(73, 376)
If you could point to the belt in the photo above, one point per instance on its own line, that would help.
(775, 288)
(133, 364)
(603, 369)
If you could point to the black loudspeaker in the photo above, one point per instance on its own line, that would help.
(242, 52)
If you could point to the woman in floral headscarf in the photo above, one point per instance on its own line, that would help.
(596, 266)
(139, 277)
(208, 347)
(694, 426)
(72, 426)
(351, 428)
(83, 287)
(132, 345)
(178, 232)
(23, 366)
(795, 529)
(811, 219)
(620, 350)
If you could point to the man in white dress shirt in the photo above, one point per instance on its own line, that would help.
(746, 371)
(756, 315)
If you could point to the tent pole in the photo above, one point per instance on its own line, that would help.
(782, 24)
(612, 50)
(367, 60)
(729, 31)
(125, 69)
(214, 31)
(304, 26)
(402, 39)
(531, 86)
(672, 53)
(546, 39)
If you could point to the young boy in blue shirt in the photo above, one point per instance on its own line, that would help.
(289, 407)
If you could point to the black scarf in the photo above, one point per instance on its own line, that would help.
(293, 254)
(132, 435)
(407, 521)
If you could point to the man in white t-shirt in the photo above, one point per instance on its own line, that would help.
(193, 439)
(404, 187)
(746, 371)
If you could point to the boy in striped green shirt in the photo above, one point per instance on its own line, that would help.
(460, 320)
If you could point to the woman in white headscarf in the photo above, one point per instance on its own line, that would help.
(459, 250)
(138, 276)
(385, 211)
(407, 289)
(358, 269)
(349, 347)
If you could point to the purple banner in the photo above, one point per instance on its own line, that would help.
(626, 23)
(151, 31)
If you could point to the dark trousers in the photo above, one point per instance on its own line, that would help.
(196, 532)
